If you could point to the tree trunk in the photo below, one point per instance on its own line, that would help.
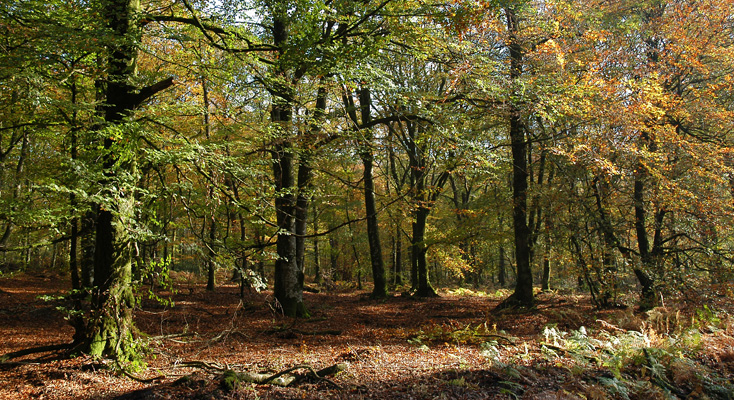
(397, 239)
(419, 250)
(373, 228)
(523, 295)
(397, 257)
(305, 175)
(288, 275)
(501, 273)
(74, 234)
(373, 231)
(302, 200)
(333, 256)
(545, 284)
(87, 247)
(316, 254)
(647, 259)
(211, 254)
(110, 328)
(110, 332)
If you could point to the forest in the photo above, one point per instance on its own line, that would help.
(367, 199)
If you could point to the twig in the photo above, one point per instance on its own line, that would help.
(137, 378)
(172, 336)
(209, 367)
(333, 332)
(609, 326)
(285, 371)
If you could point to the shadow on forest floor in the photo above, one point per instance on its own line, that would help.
(448, 347)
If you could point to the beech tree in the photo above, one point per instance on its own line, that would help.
(603, 132)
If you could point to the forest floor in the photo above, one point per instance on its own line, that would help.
(451, 347)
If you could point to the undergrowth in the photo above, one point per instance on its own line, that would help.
(664, 358)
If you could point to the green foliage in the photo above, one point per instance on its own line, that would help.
(613, 101)
(158, 273)
(451, 332)
(707, 318)
(64, 303)
(637, 359)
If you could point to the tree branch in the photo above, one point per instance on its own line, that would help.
(149, 91)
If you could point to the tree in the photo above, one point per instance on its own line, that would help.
(110, 332)
(362, 126)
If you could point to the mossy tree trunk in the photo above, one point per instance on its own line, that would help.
(109, 331)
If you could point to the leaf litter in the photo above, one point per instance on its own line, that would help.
(452, 347)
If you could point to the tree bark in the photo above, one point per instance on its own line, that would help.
(419, 251)
(373, 228)
(501, 273)
(110, 328)
(288, 275)
(305, 175)
(523, 295)
(397, 257)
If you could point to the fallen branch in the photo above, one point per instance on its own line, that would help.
(285, 378)
(333, 332)
(570, 352)
(311, 289)
(208, 367)
(225, 334)
(493, 336)
(230, 379)
(173, 336)
(611, 327)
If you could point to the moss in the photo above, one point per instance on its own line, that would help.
(302, 311)
(96, 346)
(230, 380)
